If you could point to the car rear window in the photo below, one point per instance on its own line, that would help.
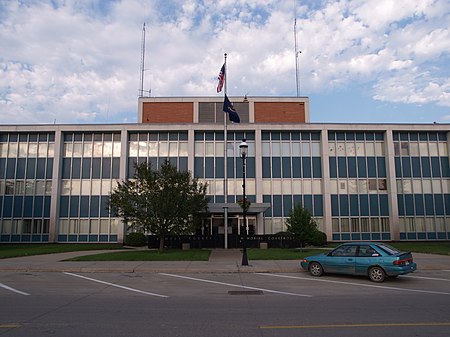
(389, 249)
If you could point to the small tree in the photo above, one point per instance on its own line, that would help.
(161, 202)
(301, 225)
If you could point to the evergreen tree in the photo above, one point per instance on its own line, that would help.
(301, 225)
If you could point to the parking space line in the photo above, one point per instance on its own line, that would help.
(356, 284)
(116, 285)
(428, 278)
(235, 285)
(9, 326)
(4, 286)
(356, 325)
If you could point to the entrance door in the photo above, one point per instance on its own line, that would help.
(218, 231)
(251, 225)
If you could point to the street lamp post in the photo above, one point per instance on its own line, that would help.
(244, 148)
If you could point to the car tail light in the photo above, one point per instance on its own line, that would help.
(403, 262)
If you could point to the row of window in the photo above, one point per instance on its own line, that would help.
(25, 206)
(423, 149)
(418, 167)
(282, 205)
(359, 205)
(358, 186)
(181, 163)
(25, 187)
(96, 226)
(27, 150)
(407, 136)
(361, 236)
(158, 149)
(23, 237)
(426, 186)
(360, 225)
(424, 228)
(292, 167)
(231, 198)
(92, 149)
(351, 136)
(357, 167)
(423, 204)
(290, 135)
(288, 149)
(24, 226)
(87, 187)
(91, 136)
(210, 167)
(422, 136)
(374, 228)
(27, 137)
(26, 168)
(90, 168)
(84, 206)
(358, 149)
(424, 224)
(86, 238)
(157, 136)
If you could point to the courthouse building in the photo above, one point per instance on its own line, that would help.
(360, 181)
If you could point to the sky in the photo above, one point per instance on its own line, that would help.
(358, 61)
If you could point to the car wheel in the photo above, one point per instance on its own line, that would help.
(377, 274)
(315, 269)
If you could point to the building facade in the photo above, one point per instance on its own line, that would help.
(360, 181)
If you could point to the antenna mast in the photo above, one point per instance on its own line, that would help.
(297, 52)
(141, 89)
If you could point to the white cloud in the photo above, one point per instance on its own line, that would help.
(414, 88)
(78, 61)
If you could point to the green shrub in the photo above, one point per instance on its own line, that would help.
(136, 240)
(318, 238)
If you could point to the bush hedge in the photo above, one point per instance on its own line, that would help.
(136, 240)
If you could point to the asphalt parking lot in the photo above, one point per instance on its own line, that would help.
(65, 303)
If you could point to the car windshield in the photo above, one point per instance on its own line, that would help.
(389, 249)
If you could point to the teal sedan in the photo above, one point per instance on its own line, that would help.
(375, 260)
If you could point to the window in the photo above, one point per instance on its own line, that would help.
(347, 250)
(366, 251)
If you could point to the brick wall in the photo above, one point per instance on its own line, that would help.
(167, 112)
(279, 112)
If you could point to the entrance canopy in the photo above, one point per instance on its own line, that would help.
(235, 208)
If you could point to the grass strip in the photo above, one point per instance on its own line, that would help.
(149, 255)
(441, 248)
(17, 250)
(282, 253)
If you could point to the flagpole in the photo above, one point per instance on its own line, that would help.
(225, 155)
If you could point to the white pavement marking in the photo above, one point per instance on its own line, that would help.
(236, 285)
(357, 284)
(116, 285)
(429, 278)
(4, 286)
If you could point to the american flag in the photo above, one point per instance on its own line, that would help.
(221, 78)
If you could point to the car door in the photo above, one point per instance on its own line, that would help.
(367, 256)
(342, 260)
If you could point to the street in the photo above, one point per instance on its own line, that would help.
(109, 304)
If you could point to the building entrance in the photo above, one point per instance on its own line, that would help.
(214, 225)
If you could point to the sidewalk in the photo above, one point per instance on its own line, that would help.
(220, 261)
